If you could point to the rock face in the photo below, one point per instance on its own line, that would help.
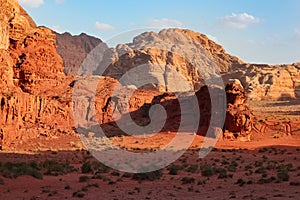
(167, 58)
(175, 56)
(37, 97)
(239, 117)
(33, 87)
(267, 82)
(74, 49)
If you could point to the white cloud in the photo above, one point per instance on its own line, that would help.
(297, 32)
(164, 22)
(31, 3)
(104, 27)
(59, 1)
(239, 21)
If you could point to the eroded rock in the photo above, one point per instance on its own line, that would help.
(239, 116)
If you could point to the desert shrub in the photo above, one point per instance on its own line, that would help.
(207, 170)
(192, 169)
(173, 169)
(225, 162)
(54, 168)
(127, 175)
(283, 175)
(187, 180)
(137, 189)
(151, 176)
(86, 168)
(100, 167)
(248, 167)
(201, 182)
(266, 180)
(260, 170)
(78, 194)
(263, 150)
(222, 173)
(115, 173)
(295, 183)
(14, 170)
(240, 182)
(67, 187)
(83, 179)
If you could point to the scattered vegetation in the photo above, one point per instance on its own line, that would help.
(14, 170)
(151, 176)
(187, 180)
(83, 179)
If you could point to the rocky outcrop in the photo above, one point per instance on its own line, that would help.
(172, 60)
(74, 49)
(239, 116)
(267, 82)
(35, 93)
(175, 56)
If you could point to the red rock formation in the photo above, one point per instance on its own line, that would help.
(34, 91)
(239, 117)
(74, 49)
(170, 57)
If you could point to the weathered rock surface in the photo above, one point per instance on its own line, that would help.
(267, 82)
(175, 56)
(173, 60)
(239, 116)
(74, 49)
(34, 90)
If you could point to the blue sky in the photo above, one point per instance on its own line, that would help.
(259, 31)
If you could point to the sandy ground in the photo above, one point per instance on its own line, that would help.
(237, 170)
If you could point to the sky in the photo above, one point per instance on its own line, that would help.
(257, 31)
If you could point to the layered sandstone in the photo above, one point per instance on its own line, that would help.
(166, 58)
(239, 117)
(267, 82)
(34, 90)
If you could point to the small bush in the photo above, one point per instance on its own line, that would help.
(295, 183)
(207, 170)
(78, 194)
(67, 187)
(263, 150)
(83, 179)
(187, 180)
(222, 173)
(100, 167)
(240, 182)
(260, 170)
(173, 169)
(54, 168)
(151, 176)
(86, 168)
(192, 169)
(201, 182)
(14, 170)
(283, 175)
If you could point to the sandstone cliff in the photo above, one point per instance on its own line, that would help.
(267, 82)
(74, 49)
(175, 56)
(169, 57)
(33, 86)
